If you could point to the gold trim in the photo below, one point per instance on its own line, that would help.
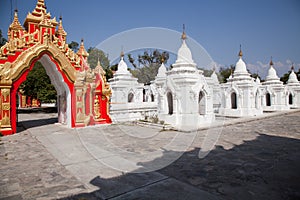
(5, 106)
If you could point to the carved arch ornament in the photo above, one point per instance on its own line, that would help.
(10, 72)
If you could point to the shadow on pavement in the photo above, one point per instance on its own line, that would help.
(31, 123)
(265, 168)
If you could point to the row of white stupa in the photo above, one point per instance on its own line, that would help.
(185, 99)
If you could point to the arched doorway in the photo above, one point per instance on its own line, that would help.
(268, 99)
(233, 100)
(170, 103)
(152, 97)
(62, 86)
(290, 99)
(202, 103)
(130, 97)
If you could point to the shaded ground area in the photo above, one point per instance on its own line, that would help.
(254, 160)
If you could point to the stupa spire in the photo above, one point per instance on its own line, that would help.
(184, 55)
(122, 54)
(272, 74)
(293, 77)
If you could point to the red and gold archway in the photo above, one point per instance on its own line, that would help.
(83, 90)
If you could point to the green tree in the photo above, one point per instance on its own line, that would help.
(94, 55)
(148, 63)
(74, 46)
(2, 39)
(38, 85)
(225, 72)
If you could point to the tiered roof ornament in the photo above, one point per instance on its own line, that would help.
(15, 29)
(82, 52)
(39, 14)
(60, 30)
(99, 68)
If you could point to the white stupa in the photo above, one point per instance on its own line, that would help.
(293, 90)
(241, 95)
(127, 94)
(184, 97)
(274, 97)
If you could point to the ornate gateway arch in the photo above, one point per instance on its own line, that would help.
(82, 93)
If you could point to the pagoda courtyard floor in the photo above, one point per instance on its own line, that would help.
(234, 158)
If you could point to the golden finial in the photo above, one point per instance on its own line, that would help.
(183, 36)
(122, 52)
(271, 62)
(240, 53)
(162, 60)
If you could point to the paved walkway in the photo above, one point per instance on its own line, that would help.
(244, 159)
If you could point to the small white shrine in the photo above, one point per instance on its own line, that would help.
(127, 96)
(241, 95)
(293, 90)
(274, 95)
(185, 101)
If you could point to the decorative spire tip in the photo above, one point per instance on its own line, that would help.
(271, 62)
(122, 51)
(240, 53)
(183, 36)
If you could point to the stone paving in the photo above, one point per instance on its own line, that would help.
(245, 159)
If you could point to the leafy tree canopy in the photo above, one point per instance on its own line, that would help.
(94, 55)
(38, 85)
(2, 39)
(145, 67)
(74, 46)
(225, 72)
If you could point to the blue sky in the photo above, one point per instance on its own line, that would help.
(264, 27)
